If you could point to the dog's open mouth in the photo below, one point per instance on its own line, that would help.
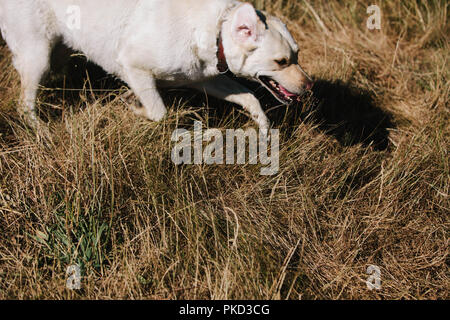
(278, 91)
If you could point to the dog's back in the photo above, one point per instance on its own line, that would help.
(97, 35)
(104, 25)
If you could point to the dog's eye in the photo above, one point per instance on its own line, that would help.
(282, 62)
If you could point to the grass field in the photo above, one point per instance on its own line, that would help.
(364, 177)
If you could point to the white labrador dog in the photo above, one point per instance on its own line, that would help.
(154, 43)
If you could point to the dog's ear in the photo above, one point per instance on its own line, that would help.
(245, 25)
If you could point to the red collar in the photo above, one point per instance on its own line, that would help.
(222, 64)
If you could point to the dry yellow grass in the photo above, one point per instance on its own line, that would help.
(364, 178)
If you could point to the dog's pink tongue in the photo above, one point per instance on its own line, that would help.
(286, 93)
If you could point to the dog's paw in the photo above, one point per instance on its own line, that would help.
(132, 102)
(37, 127)
(264, 124)
(130, 99)
(154, 113)
(158, 116)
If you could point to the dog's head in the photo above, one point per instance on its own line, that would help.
(261, 48)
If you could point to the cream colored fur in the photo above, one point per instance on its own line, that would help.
(150, 43)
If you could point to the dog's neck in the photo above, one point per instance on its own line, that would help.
(222, 64)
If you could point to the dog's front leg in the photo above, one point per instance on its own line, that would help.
(227, 89)
(143, 85)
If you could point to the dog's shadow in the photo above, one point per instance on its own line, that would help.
(343, 111)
